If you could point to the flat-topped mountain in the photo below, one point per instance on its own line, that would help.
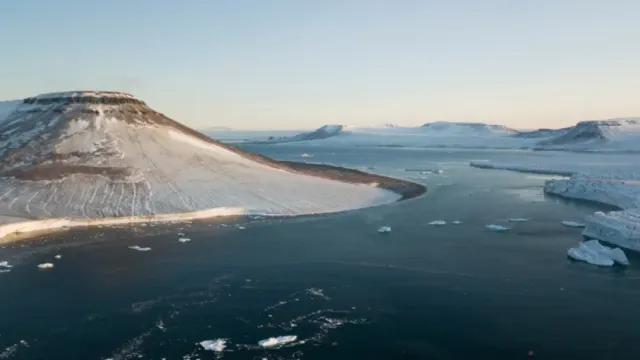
(93, 154)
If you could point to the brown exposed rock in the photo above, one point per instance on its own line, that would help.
(54, 172)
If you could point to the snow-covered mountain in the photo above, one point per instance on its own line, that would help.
(446, 128)
(436, 134)
(541, 133)
(107, 154)
(600, 135)
(614, 134)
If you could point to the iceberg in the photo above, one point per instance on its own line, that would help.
(384, 229)
(5, 267)
(45, 266)
(573, 224)
(592, 178)
(184, 239)
(456, 222)
(58, 257)
(437, 223)
(496, 227)
(138, 248)
(277, 341)
(217, 345)
(593, 252)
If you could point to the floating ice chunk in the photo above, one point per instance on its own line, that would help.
(241, 227)
(184, 239)
(45, 266)
(589, 255)
(438, 223)
(456, 222)
(518, 220)
(276, 341)
(138, 248)
(384, 229)
(5, 267)
(496, 227)
(217, 345)
(305, 155)
(616, 254)
(573, 224)
(58, 257)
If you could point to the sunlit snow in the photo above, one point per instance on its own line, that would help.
(277, 341)
(217, 345)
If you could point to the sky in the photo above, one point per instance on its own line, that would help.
(299, 64)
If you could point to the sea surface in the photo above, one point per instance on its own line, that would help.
(346, 291)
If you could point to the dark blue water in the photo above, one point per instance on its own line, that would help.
(347, 292)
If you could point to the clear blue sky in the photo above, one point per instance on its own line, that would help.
(304, 63)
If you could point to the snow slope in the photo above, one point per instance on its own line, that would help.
(607, 179)
(95, 155)
(621, 134)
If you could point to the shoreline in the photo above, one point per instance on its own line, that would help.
(619, 227)
(21, 230)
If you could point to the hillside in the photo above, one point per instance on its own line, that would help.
(621, 134)
(107, 154)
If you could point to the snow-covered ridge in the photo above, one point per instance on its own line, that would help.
(613, 134)
(468, 128)
(95, 97)
(82, 161)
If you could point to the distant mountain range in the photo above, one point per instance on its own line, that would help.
(622, 134)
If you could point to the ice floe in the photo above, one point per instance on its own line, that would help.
(438, 223)
(138, 248)
(217, 345)
(384, 229)
(184, 239)
(58, 257)
(596, 178)
(496, 227)
(277, 341)
(45, 266)
(593, 252)
(5, 267)
(518, 220)
(573, 224)
(456, 222)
